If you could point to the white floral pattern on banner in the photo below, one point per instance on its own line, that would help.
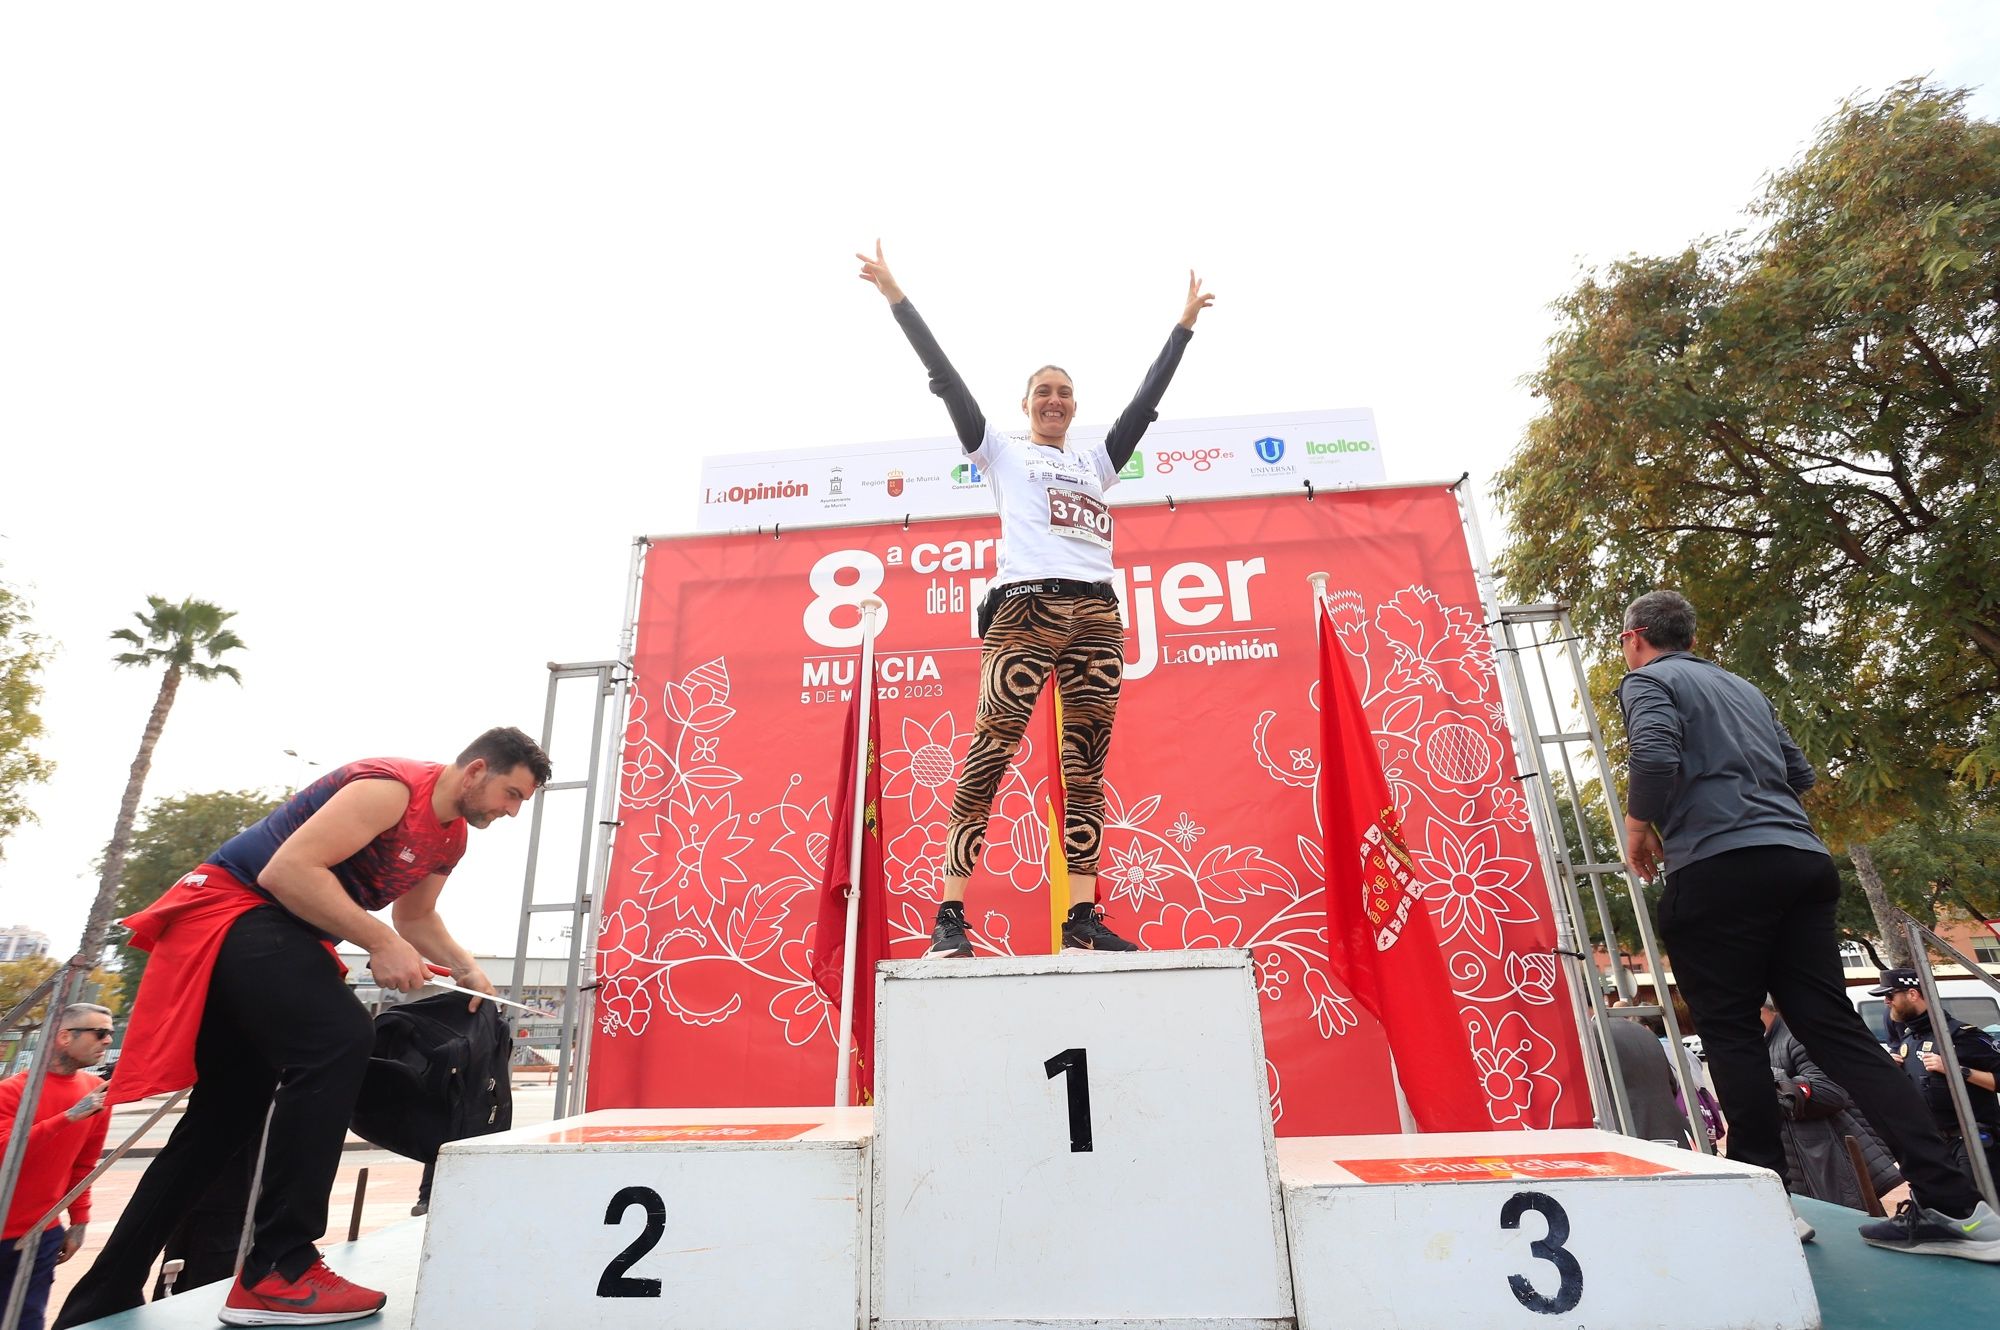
(925, 769)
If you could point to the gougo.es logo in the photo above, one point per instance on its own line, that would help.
(1199, 459)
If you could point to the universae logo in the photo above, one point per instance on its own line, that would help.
(1269, 451)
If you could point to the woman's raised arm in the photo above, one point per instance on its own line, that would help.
(1130, 427)
(967, 420)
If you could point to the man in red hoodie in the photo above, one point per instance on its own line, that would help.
(63, 1146)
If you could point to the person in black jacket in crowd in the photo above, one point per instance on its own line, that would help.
(1818, 1116)
(1913, 1044)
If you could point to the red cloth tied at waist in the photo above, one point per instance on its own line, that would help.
(183, 930)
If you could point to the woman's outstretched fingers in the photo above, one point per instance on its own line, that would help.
(876, 270)
(1197, 301)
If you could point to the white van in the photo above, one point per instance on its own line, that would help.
(1968, 1000)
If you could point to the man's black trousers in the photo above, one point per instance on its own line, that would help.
(1753, 921)
(280, 1032)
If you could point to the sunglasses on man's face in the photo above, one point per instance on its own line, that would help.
(88, 1029)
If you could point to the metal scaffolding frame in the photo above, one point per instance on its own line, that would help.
(1564, 770)
(1566, 774)
(600, 816)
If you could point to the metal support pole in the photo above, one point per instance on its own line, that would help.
(583, 1017)
(594, 835)
(1600, 1059)
(864, 683)
(566, 1063)
(360, 1198)
(534, 851)
(256, 1187)
(1954, 1075)
(1600, 1055)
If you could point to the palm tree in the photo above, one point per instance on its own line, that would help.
(175, 636)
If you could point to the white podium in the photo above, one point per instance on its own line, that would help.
(668, 1219)
(1511, 1230)
(1082, 1138)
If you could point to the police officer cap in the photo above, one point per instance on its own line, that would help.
(1895, 981)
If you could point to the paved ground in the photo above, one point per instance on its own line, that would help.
(391, 1188)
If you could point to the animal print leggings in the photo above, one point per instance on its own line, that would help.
(1083, 641)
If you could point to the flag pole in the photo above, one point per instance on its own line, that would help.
(864, 681)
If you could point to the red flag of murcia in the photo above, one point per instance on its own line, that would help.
(1381, 940)
(871, 934)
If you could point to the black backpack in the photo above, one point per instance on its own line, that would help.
(438, 1073)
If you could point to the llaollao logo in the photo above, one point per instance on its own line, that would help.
(1270, 451)
(1335, 447)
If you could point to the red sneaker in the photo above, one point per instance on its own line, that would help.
(314, 1298)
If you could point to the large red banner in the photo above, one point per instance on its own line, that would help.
(744, 667)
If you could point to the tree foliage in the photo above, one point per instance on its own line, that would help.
(1937, 868)
(188, 640)
(179, 637)
(22, 660)
(176, 835)
(19, 978)
(1796, 426)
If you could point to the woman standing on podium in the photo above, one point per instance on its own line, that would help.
(1051, 608)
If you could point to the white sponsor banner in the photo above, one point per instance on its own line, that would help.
(873, 482)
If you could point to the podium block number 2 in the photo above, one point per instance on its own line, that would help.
(1074, 1063)
(614, 1282)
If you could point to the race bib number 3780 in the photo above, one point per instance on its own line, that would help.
(1079, 516)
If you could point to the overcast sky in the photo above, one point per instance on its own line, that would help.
(389, 326)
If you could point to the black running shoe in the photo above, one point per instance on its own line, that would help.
(1084, 930)
(1916, 1228)
(948, 934)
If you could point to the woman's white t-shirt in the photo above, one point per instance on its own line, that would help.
(1053, 518)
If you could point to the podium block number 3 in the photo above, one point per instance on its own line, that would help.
(1074, 1063)
(1569, 1291)
(614, 1282)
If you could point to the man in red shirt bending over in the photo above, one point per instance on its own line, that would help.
(244, 1000)
(63, 1146)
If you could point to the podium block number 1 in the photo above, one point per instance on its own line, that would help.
(1075, 1063)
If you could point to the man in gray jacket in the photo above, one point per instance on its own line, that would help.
(1749, 910)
